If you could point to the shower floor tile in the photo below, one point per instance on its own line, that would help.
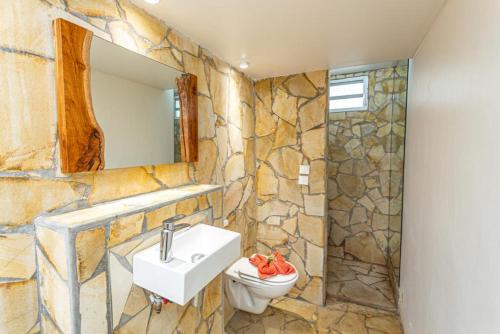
(361, 283)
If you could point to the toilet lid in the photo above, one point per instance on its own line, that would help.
(243, 269)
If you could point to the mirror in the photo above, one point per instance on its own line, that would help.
(137, 106)
(118, 108)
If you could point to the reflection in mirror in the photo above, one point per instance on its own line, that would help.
(136, 104)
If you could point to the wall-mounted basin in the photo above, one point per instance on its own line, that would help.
(199, 255)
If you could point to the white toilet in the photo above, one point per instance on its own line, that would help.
(247, 292)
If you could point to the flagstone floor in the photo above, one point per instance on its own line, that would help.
(272, 321)
(290, 316)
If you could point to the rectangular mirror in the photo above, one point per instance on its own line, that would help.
(118, 108)
(137, 106)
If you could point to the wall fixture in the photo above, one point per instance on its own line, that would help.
(154, 2)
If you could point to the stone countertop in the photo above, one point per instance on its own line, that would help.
(125, 206)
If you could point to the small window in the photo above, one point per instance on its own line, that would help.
(349, 94)
(177, 105)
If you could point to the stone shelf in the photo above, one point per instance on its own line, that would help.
(103, 212)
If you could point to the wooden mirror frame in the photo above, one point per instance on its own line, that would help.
(81, 139)
(186, 88)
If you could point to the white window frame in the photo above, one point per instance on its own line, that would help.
(177, 111)
(337, 82)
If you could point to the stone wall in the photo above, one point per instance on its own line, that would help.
(30, 178)
(291, 130)
(365, 172)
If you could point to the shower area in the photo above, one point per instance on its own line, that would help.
(366, 139)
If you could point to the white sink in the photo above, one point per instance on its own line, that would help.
(200, 254)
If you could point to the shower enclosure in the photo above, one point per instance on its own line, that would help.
(365, 182)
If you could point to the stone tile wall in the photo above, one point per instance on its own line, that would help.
(85, 274)
(365, 172)
(30, 178)
(291, 130)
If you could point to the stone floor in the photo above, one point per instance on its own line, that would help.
(361, 283)
(272, 321)
(289, 316)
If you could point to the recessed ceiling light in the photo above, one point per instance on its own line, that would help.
(244, 64)
(154, 2)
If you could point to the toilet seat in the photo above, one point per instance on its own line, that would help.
(243, 271)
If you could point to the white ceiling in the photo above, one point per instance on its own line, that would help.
(290, 36)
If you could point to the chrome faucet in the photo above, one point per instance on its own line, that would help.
(167, 233)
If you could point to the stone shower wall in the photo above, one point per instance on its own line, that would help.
(365, 172)
(30, 178)
(291, 130)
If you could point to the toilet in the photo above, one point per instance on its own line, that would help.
(247, 292)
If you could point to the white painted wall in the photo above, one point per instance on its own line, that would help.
(450, 280)
(137, 121)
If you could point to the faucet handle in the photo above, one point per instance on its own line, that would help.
(169, 223)
(179, 227)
